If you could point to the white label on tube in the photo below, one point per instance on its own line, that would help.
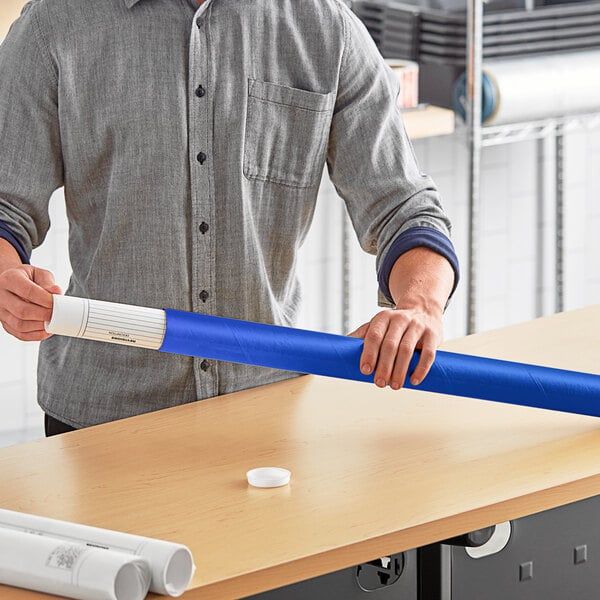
(108, 322)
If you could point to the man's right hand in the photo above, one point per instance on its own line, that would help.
(25, 296)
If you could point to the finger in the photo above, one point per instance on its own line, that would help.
(31, 336)
(360, 332)
(365, 366)
(428, 350)
(45, 279)
(406, 349)
(23, 310)
(20, 325)
(22, 286)
(388, 351)
(373, 339)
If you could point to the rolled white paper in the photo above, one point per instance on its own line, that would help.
(70, 569)
(536, 87)
(171, 564)
(529, 88)
(108, 322)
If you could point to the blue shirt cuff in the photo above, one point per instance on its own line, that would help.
(415, 237)
(6, 233)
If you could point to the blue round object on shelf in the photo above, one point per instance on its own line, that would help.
(489, 97)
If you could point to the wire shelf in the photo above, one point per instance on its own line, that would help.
(534, 130)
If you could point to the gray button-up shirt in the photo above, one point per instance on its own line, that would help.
(190, 142)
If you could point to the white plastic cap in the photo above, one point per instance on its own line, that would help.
(68, 316)
(268, 477)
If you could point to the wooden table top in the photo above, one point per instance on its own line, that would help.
(373, 471)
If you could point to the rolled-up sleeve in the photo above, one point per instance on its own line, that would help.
(30, 148)
(371, 161)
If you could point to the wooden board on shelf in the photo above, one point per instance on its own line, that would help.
(428, 121)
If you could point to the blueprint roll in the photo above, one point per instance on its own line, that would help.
(170, 565)
(303, 351)
(70, 569)
(536, 87)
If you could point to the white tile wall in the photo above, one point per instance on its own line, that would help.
(510, 261)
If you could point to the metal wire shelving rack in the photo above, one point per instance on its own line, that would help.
(479, 137)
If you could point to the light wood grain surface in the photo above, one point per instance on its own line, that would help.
(373, 471)
(428, 121)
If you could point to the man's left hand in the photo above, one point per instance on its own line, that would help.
(420, 282)
(391, 338)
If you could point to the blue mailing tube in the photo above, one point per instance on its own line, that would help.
(317, 353)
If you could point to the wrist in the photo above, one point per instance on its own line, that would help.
(420, 302)
(421, 280)
(9, 257)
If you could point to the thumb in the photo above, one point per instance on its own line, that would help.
(45, 279)
(360, 332)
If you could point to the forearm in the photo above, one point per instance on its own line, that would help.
(421, 279)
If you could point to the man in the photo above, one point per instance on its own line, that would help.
(190, 141)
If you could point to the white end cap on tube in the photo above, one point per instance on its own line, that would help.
(68, 316)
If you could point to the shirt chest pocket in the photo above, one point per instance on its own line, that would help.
(286, 134)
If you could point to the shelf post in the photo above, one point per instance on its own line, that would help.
(559, 226)
(474, 144)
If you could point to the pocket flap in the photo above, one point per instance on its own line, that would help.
(283, 94)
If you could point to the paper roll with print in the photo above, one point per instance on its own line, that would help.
(303, 351)
(170, 566)
(70, 568)
(536, 87)
(407, 73)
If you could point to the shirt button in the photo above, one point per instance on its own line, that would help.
(204, 295)
(203, 227)
(201, 157)
(205, 365)
(200, 91)
(198, 22)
